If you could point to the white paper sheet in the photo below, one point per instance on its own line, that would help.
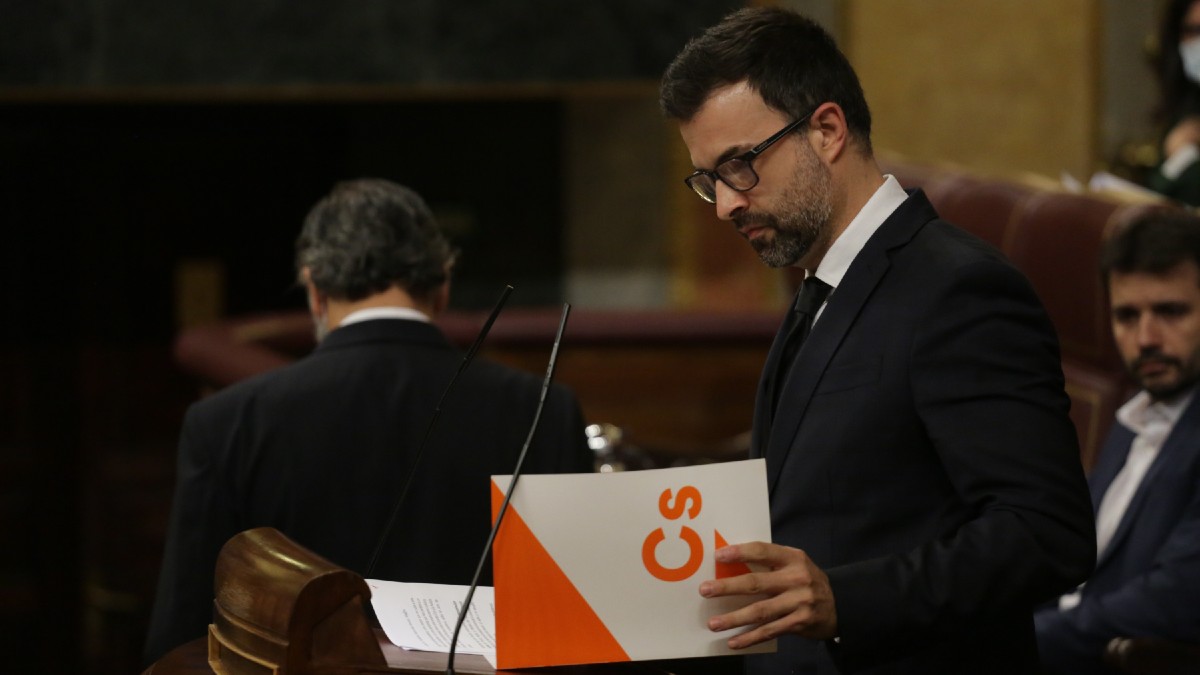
(623, 554)
(422, 616)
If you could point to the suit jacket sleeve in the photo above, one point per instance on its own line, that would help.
(1160, 602)
(203, 517)
(987, 386)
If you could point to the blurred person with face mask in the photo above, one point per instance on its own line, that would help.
(1178, 70)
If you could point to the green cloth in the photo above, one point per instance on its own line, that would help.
(1184, 188)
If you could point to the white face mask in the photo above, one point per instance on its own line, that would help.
(1189, 50)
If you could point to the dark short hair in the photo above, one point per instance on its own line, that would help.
(1153, 243)
(370, 234)
(790, 60)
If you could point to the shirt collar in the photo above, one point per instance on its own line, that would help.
(372, 313)
(1141, 412)
(846, 247)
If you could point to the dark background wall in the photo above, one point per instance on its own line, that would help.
(144, 42)
(139, 137)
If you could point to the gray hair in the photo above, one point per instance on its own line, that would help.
(370, 234)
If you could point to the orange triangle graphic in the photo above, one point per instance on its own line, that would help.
(541, 618)
(728, 569)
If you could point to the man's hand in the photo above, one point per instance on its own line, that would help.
(1186, 132)
(800, 600)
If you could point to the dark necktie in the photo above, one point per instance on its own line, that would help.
(812, 294)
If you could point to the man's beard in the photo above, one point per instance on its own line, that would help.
(1188, 374)
(806, 210)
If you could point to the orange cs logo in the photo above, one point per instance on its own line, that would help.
(687, 500)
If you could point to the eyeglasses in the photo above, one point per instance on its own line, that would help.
(736, 172)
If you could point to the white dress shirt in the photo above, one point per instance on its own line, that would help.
(1152, 422)
(847, 246)
(384, 313)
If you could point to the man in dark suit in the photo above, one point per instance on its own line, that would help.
(925, 485)
(1146, 483)
(320, 449)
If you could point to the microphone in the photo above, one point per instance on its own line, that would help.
(437, 411)
(487, 548)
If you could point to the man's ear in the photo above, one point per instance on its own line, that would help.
(316, 299)
(830, 120)
(439, 300)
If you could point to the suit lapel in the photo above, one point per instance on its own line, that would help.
(768, 381)
(844, 306)
(1183, 440)
(1108, 465)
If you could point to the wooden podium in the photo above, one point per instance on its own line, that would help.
(281, 609)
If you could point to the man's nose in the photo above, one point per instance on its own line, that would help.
(1149, 332)
(730, 202)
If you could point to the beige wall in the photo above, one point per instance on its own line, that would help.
(1004, 87)
(1130, 91)
(636, 237)
(999, 85)
(616, 197)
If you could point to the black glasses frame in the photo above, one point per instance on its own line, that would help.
(746, 158)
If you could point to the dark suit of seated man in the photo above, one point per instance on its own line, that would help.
(1146, 483)
(319, 449)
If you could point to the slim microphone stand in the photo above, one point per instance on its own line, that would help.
(537, 415)
(437, 411)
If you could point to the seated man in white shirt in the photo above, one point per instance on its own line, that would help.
(1146, 483)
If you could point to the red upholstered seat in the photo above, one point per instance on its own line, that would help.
(1056, 242)
(1054, 237)
(987, 208)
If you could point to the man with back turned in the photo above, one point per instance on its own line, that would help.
(320, 449)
